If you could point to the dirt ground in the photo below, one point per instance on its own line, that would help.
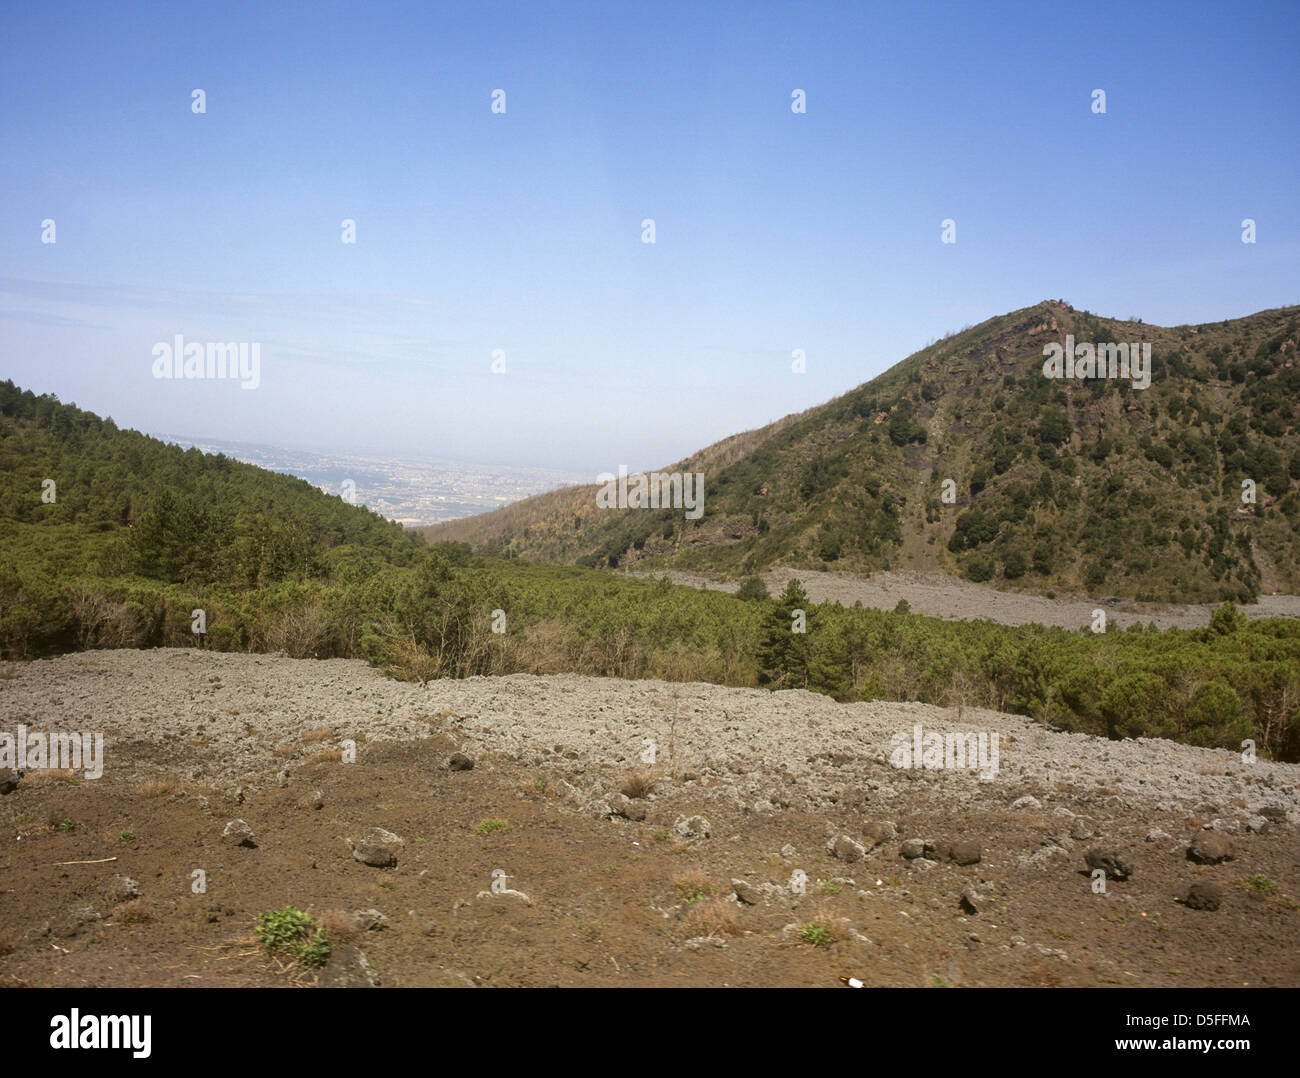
(697, 892)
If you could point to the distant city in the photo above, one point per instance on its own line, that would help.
(411, 492)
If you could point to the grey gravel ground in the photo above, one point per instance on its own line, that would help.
(955, 599)
(218, 718)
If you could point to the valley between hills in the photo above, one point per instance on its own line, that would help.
(557, 744)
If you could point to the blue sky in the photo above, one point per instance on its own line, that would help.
(522, 231)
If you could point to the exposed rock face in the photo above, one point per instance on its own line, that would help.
(1210, 848)
(378, 848)
(846, 848)
(692, 827)
(348, 967)
(1204, 895)
(238, 833)
(1116, 864)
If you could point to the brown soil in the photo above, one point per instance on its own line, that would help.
(608, 896)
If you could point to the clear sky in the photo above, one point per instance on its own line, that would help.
(522, 230)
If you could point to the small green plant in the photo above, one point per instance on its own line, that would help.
(1261, 883)
(660, 834)
(692, 888)
(936, 981)
(540, 785)
(830, 887)
(67, 826)
(818, 933)
(126, 836)
(491, 826)
(292, 932)
(609, 870)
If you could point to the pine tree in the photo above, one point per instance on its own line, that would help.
(785, 654)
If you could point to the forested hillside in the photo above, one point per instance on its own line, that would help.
(139, 505)
(81, 499)
(140, 535)
(1092, 485)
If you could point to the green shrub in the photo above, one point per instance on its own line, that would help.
(291, 931)
(819, 934)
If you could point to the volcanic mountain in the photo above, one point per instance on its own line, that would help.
(1174, 482)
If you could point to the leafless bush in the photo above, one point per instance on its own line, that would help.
(105, 622)
(300, 631)
(412, 661)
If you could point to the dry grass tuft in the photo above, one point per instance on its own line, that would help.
(132, 913)
(161, 787)
(714, 917)
(191, 913)
(323, 734)
(328, 756)
(538, 787)
(339, 926)
(637, 783)
(693, 886)
(45, 775)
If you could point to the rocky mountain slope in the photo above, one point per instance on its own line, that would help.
(966, 458)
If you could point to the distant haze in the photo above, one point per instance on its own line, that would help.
(411, 492)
